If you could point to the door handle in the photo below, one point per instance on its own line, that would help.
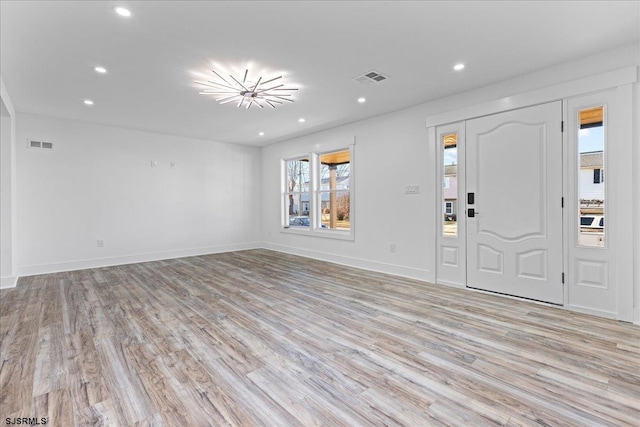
(471, 213)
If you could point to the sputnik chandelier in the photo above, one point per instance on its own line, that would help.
(247, 92)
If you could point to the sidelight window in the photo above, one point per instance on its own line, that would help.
(450, 184)
(591, 187)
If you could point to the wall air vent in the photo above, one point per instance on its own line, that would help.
(371, 77)
(42, 145)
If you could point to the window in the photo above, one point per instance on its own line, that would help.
(318, 194)
(586, 221)
(296, 186)
(598, 176)
(449, 184)
(334, 192)
(591, 165)
(448, 207)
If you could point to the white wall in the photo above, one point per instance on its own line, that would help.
(5, 196)
(98, 183)
(392, 151)
(7, 190)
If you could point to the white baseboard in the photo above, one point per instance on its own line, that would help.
(32, 270)
(8, 282)
(636, 316)
(380, 267)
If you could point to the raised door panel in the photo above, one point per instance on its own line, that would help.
(510, 178)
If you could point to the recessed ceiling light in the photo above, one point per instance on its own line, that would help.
(458, 67)
(88, 102)
(362, 100)
(261, 133)
(100, 70)
(123, 11)
(301, 120)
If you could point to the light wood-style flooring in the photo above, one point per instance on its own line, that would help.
(264, 338)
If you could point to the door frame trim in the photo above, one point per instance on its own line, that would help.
(540, 96)
(622, 81)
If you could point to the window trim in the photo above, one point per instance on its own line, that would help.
(315, 229)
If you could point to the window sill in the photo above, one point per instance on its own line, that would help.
(323, 233)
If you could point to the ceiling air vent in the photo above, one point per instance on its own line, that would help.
(371, 77)
(43, 145)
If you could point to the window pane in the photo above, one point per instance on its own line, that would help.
(298, 175)
(591, 189)
(334, 196)
(586, 221)
(338, 165)
(335, 207)
(297, 205)
(450, 184)
(296, 195)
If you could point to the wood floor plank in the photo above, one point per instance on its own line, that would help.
(269, 339)
(128, 393)
(99, 414)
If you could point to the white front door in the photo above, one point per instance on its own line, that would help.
(514, 233)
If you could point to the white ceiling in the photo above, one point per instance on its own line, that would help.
(49, 49)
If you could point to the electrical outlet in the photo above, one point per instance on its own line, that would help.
(100, 243)
(392, 247)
